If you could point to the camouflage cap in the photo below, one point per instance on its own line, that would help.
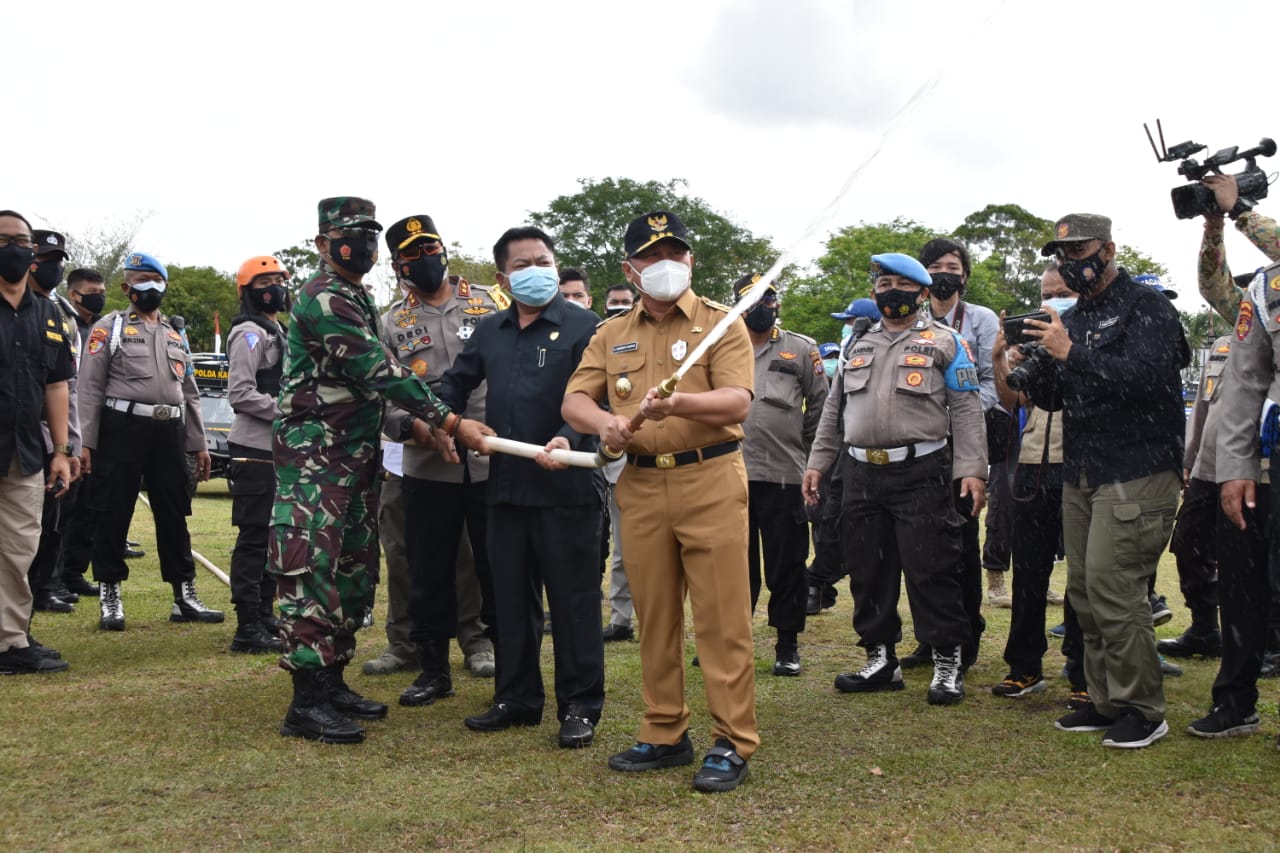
(1076, 228)
(346, 211)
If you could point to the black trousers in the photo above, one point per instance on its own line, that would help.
(1193, 547)
(970, 571)
(828, 556)
(528, 547)
(77, 533)
(253, 491)
(435, 515)
(778, 526)
(1038, 523)
(1244, 565)
(997, 547)
(129, 448)
(900, 520)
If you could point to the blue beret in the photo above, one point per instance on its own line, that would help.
(828, 350)
(140, 262)
(896, 263)
(863, 307)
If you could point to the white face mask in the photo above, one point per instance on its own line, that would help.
(665, 280)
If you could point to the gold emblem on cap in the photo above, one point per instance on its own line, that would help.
(413, 226)
(623, 387)
(135, 260)
(1063, 230)
(658, 223)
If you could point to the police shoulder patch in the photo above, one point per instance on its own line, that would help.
(1244, 320)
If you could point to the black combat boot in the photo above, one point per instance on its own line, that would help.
(434, 682)
(347, 700)
(252, 637)
(187, 606)
(311, 715)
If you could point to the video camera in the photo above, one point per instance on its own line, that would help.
(1196, 199)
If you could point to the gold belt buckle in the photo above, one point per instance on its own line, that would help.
(877, 456)
(665, 460)
(161, 413)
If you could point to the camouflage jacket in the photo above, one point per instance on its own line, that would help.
(1216, 285)
(337, 372)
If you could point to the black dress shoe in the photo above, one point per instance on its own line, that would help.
(15, 661)
(576, 732)
(77, 584)
(47, 602)
(617, 633)
(1193, 641)
(42, 650)
(132, 553)
(503, 716)
(427, 689)
(920, 657)
(59, 589)
(813, 603)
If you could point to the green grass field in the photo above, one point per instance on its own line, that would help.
(160, 738)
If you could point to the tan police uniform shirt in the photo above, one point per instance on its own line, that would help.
(151, 366)
(427, 339)
(635, 351)
(896, 394)
(790, 391)
(1201, 451)
(1251, 379)
(252, 347)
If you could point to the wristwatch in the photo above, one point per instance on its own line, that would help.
(64, 449)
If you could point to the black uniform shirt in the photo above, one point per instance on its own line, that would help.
(1120, 389)
(527, 371)
(34, 352)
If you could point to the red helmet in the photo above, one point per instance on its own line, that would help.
(254, 267)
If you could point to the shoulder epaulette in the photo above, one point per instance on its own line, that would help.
(805, 338)
(717, 305)
(497, 294)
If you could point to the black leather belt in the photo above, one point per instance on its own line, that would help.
(686, 457)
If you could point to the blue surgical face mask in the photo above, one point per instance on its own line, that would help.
(845, 331)
(534, 286)
(829, 366)
(1061, 303)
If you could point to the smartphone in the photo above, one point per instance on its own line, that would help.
(1015, 330)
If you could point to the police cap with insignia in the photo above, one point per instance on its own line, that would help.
(410, 230)
(1077, 228)
(49, 243)
(142, 262)
(826, 351)
(644, 231)
(863, 307)
(347, 211)
(896, 263)
(742, 285)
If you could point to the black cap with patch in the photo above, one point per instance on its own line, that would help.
(742, 285)
(49, 243)
(644, 231)
(410, 230)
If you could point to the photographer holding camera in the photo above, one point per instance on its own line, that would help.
(1115, 376)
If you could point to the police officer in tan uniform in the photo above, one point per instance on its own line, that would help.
(683, 497)
(790, 390)
(139, 416)
(906, 383)
(427, 330)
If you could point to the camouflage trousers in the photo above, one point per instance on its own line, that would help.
(324, 556)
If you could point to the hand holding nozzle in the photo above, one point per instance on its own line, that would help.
(617, 432)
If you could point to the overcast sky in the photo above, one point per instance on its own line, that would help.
(227, 121)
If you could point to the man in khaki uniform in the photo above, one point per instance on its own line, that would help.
(683, 497)
(139, 416)
(905, 385)
(790, 390)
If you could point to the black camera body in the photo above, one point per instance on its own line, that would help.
(1015, 332)
(1196, 199)
(1020, 377)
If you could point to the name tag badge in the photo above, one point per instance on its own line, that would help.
(631, 347)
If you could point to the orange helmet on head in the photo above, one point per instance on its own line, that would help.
(254, 267)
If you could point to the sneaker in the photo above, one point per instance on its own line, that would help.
(653, 756)
(1017, 687)
(881, 673)
(1078, 699)
(576, 731)
(787, 663)
(1171, 670)
(1160, 612)
(1086, 719)
(1221, 721)
(1134, 731)
(997, 594)
(481, 664)
(366, 621)
(387, 663)
(1057, 632)
(25, 661)
(947, 687)
(722, 770)
(1054, 598)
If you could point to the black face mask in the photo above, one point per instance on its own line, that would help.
(93, 302)
(146, 300)
(353, 254)
(761, 318)
(896, 304)
(269, 299)
(615, 311)
(1083, 275)
(945, 285)
(425, 273)
(48, 274)
(15, 261)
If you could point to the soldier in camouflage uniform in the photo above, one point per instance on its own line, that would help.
(325, 542)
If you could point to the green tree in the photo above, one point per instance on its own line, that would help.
(196, 293)
(588, 227)
(301, 260)
(104, 247)
(1004, 241)
(476, 269)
